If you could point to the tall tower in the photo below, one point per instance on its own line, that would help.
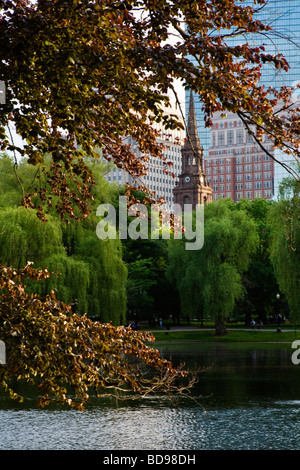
(192, 187)
(284, 18)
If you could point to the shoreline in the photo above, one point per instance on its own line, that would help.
(241, 335)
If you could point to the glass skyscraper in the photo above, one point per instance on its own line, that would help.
(284, 17)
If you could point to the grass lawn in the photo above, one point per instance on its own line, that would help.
(233, 336)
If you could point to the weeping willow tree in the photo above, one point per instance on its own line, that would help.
(209, 280)
(107, 273)
(24, 238)
(183, 272)
(90, 273)
(284, 221)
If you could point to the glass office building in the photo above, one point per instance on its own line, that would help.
(284, 17)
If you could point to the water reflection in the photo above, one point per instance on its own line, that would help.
(240, 374)
(253, 403)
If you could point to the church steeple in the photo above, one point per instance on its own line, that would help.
(192, 131)
(192, 187)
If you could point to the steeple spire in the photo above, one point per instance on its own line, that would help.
(192, 124)
(192, 142)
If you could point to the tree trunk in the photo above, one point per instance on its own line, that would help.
(220, 327)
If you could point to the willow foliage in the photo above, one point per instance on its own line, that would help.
(90, 273)
(23, 237)
(284, 220)
(106, 289)
(209, 280)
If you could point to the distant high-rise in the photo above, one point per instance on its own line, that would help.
(284, 17)
(234, 164)
(156, 180)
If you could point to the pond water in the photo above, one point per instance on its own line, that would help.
(250, 401)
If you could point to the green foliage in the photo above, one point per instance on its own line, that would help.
(285, 248)
(146, 261)
(89, 271)
(209, 280)
(141, 278)
(259, 279)
(106, 292)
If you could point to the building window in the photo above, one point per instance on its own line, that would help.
(240, 136)
(221, 138)
(249, 138)
(268, 166)
(257, 184)
(230, 137)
